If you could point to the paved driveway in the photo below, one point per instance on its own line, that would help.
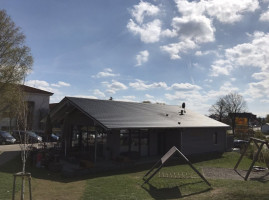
(10, 147)
(8, 152)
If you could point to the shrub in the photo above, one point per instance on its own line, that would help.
(260, 135)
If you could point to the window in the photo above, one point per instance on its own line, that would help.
(215, 138)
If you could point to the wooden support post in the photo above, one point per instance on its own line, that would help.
(165, 158)
(22, 175)
(245, 150)
(152, 168)
(256, 142)
(254, 160)
(14, 186)
(153, 174)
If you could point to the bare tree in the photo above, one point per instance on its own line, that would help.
(218, 110)
(234, 104)
(228, 107)
(21, 117)
(267, 119)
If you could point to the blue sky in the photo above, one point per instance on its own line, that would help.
(169, 51)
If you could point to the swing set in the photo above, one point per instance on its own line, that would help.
(152, 172)
(259, 144)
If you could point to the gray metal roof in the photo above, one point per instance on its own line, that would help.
(118, 114)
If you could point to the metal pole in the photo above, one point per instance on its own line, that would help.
(95, 147)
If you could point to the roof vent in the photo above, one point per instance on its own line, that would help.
(181, 113)
(183, 106)
(166, 115)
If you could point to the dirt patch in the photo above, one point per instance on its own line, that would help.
(231, 174)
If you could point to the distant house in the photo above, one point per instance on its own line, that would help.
(103, 129)
(265, 128)
(38, 107)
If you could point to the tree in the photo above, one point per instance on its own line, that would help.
(228, 106)
(218, 110)
(234, 104)
(15, 63)
(267, 119)
(15, 57)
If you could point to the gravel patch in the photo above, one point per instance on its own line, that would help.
(231, 174)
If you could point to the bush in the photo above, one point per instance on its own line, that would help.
(260, 135)
(265, 155)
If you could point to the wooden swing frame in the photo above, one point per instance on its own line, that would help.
(164, 159)
(259, 144)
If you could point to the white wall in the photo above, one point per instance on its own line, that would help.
(41, 102)
(265, 128)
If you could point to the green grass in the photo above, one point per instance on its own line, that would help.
(6, 178)
(184, 183)
(127, 184)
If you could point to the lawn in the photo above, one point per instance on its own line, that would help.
(173, 182)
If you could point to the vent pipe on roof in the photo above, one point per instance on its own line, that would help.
(183, 106)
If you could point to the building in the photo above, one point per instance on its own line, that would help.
(104, 129)
(37, 108)
(265, 128)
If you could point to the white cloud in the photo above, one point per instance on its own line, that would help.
(106, 73)
(265, 16)
(114, 86)
(260, 88)
(225, 89)
(198, 99)
(142, 57)
(61, 84)
(141, 85)
(144, 9)
(196, 28)
(149, 32)
(42, 85)
(169, 33)
(185, 86)
(149, 96)
(86, 96)
(129, 97)
(98, 93)
(110, 91)
(217, 70)
(225, 11)
(252, 54)
(175, 49)
(265, 101)
(192, 31)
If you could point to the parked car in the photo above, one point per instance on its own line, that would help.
(240, 143)
(31, 136)
(6, 138)
(54, 137)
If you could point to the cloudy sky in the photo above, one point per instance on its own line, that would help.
(169, 51)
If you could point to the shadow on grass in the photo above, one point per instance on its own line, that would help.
(262, 177)
(173, 192)
(15, 165)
